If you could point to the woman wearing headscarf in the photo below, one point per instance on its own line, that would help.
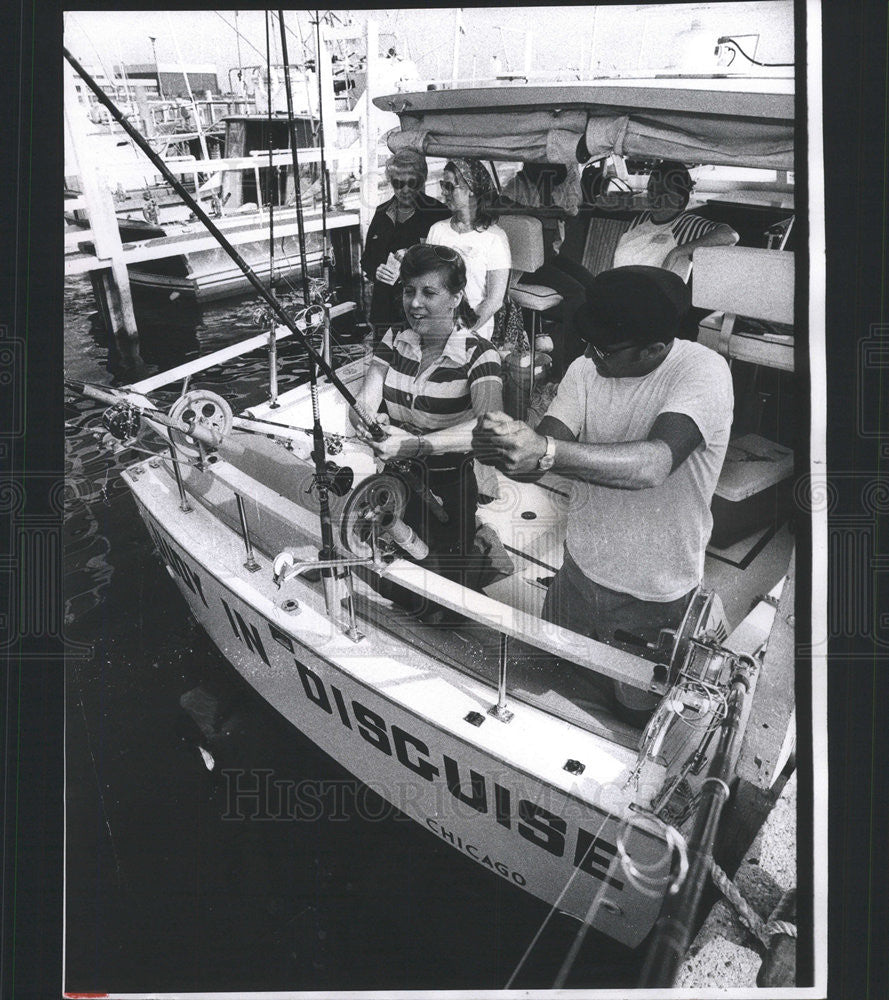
(472, 231)
(400, 222)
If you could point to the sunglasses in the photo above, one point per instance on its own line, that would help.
(399, 185)
(448, 186)
(602, 356)
(447, 254)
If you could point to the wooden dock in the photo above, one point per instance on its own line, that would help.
(193, 237)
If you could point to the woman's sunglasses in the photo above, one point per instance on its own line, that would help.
(447, 254)
(448, 186)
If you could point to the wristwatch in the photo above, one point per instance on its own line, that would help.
(549, 456)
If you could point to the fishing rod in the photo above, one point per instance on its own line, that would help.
(327, 552)
(374, 428)
(675, 926)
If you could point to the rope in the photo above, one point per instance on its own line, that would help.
(764, 930)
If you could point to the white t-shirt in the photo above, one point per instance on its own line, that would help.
(648, 543)
(482, 251)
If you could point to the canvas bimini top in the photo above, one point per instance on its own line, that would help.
(731, 127)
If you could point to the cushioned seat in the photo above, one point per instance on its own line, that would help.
(525, 235)
(536, 297)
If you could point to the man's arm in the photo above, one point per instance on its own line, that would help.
(633, 465)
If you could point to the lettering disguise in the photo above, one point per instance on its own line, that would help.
(535, 824)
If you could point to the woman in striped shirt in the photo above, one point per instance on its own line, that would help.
(435, 378)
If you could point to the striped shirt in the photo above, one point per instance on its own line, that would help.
(440, 396)
(685, 227)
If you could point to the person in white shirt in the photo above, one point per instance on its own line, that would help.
(666, 235)
(468, 191)
(641, 424)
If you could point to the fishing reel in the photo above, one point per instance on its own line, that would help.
(371, 531)
(122, 423)
(202, 411)
(371, 526)
(693, 650)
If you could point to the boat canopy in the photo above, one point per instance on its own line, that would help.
(545, 123)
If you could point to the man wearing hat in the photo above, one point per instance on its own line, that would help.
(399, 223)
(641, 424)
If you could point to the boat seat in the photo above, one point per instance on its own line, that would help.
(525, 235)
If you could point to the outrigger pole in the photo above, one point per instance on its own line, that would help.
(375, 430)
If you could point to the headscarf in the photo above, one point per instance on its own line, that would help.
(475, 177)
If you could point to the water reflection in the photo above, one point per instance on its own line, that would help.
(171, 332)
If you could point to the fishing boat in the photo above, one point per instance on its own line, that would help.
(490, 729)
(236, 196)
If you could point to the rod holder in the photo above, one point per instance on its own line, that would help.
(273, 369)
(251, 563)
(500, 711)
(326, 352)
(184, 505)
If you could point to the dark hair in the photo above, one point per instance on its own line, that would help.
(424, 258)
(675, 178)
(480, 184)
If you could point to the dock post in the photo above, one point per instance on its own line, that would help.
(115, 280)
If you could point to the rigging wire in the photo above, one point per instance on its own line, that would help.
(300, 223)
(247, 41)
(555, 906)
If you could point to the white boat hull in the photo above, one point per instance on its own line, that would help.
(400, 728)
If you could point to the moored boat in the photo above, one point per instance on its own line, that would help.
(492, 731)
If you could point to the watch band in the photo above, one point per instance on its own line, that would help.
(547, 459)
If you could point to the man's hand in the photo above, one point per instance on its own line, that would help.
(507, 444)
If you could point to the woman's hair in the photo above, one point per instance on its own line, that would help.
(424, 258)
(480, 184)
(408, 159)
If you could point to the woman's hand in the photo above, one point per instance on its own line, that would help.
(398, 443)
(363, 434)
(389, 271)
